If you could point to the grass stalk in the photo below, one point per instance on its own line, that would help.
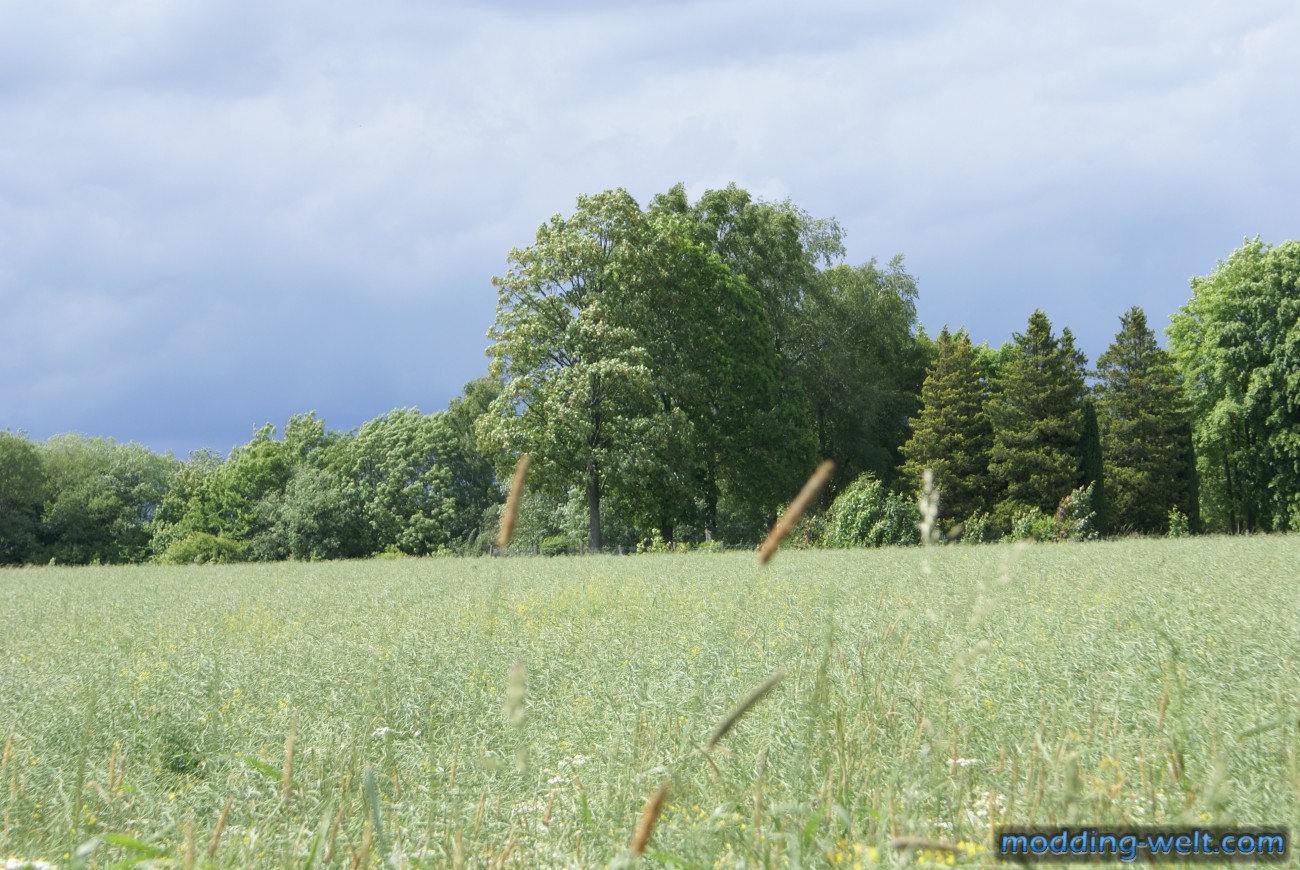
(790, 518)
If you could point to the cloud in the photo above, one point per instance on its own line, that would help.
(215, 214)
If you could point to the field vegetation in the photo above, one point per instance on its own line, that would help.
(519, 712)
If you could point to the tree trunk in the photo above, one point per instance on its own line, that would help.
(593, 508)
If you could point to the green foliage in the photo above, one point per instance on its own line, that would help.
(404, 467)
(558, 545)
(1179, 525)
(978, 529)
(225, 499)
(1236, 343)
(1142, 414)
(867, 514)
(1091, 468)
(579, 391)
(1031, 524)
(22, 496)
(1075, 519)
(317, 516)
(101, 497)
(1037, 421)
(951, 434)
(861, 366)
(198, 548)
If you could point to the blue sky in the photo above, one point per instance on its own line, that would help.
(219, 214)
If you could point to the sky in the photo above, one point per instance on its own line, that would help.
(218, 214)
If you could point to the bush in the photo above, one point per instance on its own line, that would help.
(198, 548)
(1031, 524)
(557, 545)
(1179, 525)
(866, 514)
(1075, 519)
(978, 529)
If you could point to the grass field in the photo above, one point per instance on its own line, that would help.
(344, 714)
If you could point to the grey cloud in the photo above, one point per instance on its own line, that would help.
(218, 214)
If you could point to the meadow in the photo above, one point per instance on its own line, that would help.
(520, 711)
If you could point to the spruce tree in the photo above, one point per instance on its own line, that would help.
(951, 434)
(1037, 421)
(1091, 469)
(1143, 429)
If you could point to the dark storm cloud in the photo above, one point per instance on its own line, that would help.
(214, 215)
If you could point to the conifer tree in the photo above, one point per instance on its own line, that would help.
(1037, 421)
(951, 434)
(1143, 427)
(1091, 469)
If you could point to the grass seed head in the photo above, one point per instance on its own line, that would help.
(743, 707)
(791, 516)
(649, 815)
(511, 514)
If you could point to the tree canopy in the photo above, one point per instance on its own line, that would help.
(1237, 345)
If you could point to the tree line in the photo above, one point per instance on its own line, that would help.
(676, 370)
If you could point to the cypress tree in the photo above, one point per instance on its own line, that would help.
(951, 434)
(1143, 429)
(1037, 421)
(1091, 470)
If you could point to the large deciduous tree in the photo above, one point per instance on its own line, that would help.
(101, 498)
(578, 388)
(1037, 420)
(1142, 416)
(22, 496)
(842, 334)
(1237, 344)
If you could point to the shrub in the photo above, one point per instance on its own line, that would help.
(1179, 525)
(1075, 519)
(978, 529)
(557, 545)
(197, 548)
(866, 514)
(1031, 524)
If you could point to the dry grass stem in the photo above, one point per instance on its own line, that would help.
(646, 824)
(516, 692)
(511, 514)
(290, 743)
(743, 707)
(787, 522)
(928, 504)
(221, 826)
(363, 851)
(187, 861)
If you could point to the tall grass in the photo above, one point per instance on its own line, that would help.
(519, 712)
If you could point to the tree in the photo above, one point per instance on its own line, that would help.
(101, 499)
(1037, 421)
(403, 465)
(1142, 414)
(1237, 343)
(22, 495)
(474, 483)
(862, 367)
(842, 334)
(317, 516)
(951, 434)
(579, 387)
(1092, 469)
